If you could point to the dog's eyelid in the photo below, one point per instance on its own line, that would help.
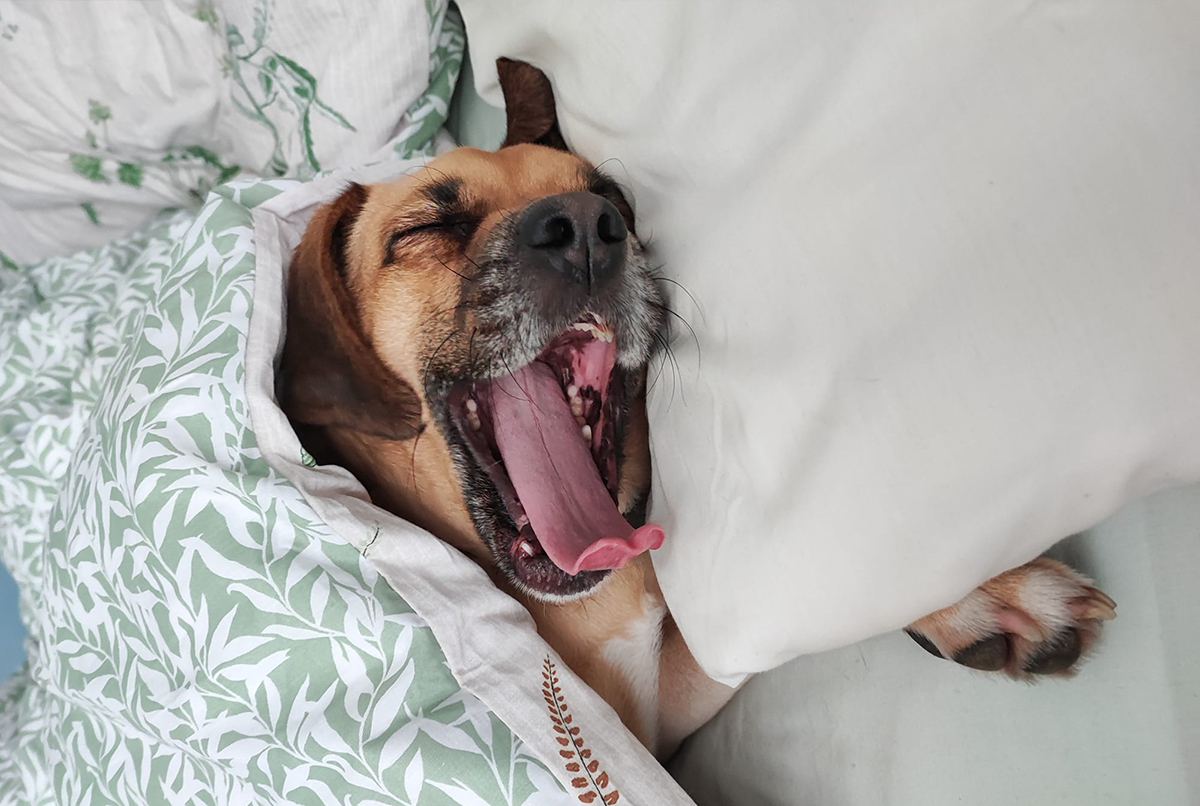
(441, 224)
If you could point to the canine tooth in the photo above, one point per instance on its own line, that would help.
(527, 548)
(587, 433)
(472, 406)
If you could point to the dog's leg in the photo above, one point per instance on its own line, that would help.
(1038, 619)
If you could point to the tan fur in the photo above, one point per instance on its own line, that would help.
(401, 308)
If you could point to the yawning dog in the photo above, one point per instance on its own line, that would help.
(472, 342)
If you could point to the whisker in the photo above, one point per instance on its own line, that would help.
(696, 339)
(675, 283)
(677, 377)
(447, 267)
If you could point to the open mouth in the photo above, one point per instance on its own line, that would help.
(548, 434)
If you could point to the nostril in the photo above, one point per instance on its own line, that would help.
(611, 227)
(552, 232)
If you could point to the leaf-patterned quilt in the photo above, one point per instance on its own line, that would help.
(198, 635)
(212, 617)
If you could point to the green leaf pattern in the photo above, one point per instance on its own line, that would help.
(268, 88)
(428, 113)
(279, 94)
(196, 634)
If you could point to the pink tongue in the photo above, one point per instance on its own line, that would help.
(552, 470)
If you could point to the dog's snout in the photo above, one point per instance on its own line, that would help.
(578, 235)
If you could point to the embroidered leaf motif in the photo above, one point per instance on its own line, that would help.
(595, 781)
(90, 212)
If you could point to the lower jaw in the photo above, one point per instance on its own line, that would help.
(539, 577)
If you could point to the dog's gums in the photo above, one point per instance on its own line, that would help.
(548, 435)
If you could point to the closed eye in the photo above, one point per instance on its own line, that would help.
(460, 228)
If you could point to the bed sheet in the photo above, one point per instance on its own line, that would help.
(883, 723)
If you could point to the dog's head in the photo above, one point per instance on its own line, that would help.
(483, 328)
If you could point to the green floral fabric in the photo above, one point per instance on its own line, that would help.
(179, 97)
(197, 634)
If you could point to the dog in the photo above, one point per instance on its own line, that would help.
(472, 343)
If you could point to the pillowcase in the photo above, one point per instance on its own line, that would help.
(112, 111)
(940, 270)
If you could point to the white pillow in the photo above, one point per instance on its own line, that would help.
(944, 273)
(112, 111)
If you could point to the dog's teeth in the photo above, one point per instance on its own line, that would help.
(577, 406)
(473, 420)
(602, 330)
(572, 391)
(472, 406)
(527, 548)
(579, 419)
(587, 433)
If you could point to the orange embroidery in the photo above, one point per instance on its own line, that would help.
(596, 783)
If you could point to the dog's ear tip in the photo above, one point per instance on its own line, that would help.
(529, 107)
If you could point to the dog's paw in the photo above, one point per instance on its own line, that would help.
(1038, 619)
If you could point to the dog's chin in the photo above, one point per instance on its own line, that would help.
(577, 376)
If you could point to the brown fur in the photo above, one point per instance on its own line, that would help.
(358, 326)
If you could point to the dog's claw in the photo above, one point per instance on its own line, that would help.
(1087, 607)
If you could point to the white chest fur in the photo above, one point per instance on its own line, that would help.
(636, 653)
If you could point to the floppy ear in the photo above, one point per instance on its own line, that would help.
(528, 105)
(330, 375)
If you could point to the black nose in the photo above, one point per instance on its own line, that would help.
(578, 235)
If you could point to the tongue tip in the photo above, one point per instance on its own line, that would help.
(610, 553)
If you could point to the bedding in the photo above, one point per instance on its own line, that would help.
(937, 265)
(112, 111)
(880, 723)
(214, 618)
(199, 632)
